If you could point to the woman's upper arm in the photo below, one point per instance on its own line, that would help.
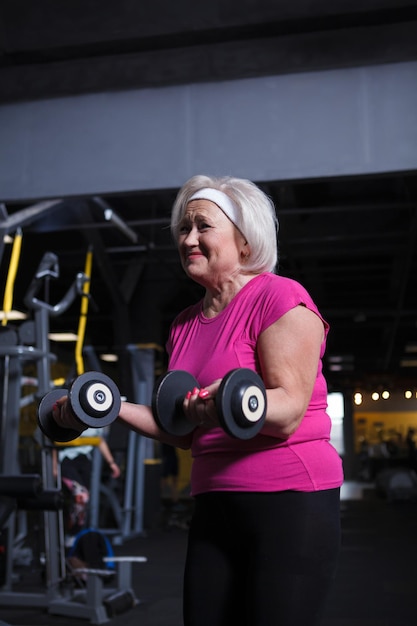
(289, 354)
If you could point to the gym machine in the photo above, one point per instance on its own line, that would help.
(30, 343)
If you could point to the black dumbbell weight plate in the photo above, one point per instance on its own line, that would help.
(95, 399)
(241, 403)
(46, 422)
(168, 396)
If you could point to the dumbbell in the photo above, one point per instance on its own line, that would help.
(240, 403)
(94, 400)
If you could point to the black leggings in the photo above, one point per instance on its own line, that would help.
(261, 559)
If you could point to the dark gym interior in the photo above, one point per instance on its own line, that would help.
(105, 110)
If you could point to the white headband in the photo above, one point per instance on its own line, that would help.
(223, 201)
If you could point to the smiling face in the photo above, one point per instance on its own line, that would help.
(212, 250)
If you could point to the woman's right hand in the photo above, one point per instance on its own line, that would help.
(64, 415)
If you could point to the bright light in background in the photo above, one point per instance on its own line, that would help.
(13, 315)
(109, 358)
(375, 396)
(385, 395)
(408, 362)
(336, 411)
(357, 398)
(62, 336)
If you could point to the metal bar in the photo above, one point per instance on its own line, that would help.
(28, 215)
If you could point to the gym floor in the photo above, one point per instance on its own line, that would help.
(376, 583)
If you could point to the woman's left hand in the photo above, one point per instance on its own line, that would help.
(200, 406)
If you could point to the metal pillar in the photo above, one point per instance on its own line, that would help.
(129, 515)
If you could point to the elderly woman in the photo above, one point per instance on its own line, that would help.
(264, 539)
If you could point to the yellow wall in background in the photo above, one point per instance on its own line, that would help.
(375, 426)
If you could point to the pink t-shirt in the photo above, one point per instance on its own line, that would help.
(209, 349)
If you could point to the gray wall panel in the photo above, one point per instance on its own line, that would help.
(341, 122)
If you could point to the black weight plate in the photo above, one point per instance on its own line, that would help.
(167, 398)
(46, 422)
(241, 403)
(95, 399)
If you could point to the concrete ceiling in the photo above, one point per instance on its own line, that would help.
(351, 241)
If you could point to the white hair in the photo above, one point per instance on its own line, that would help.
(258, 220)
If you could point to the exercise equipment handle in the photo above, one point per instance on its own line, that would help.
(49, 268)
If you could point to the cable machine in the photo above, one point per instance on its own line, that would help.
(15, 348)
(30, 342)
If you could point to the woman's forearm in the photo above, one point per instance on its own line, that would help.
(139, 418)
